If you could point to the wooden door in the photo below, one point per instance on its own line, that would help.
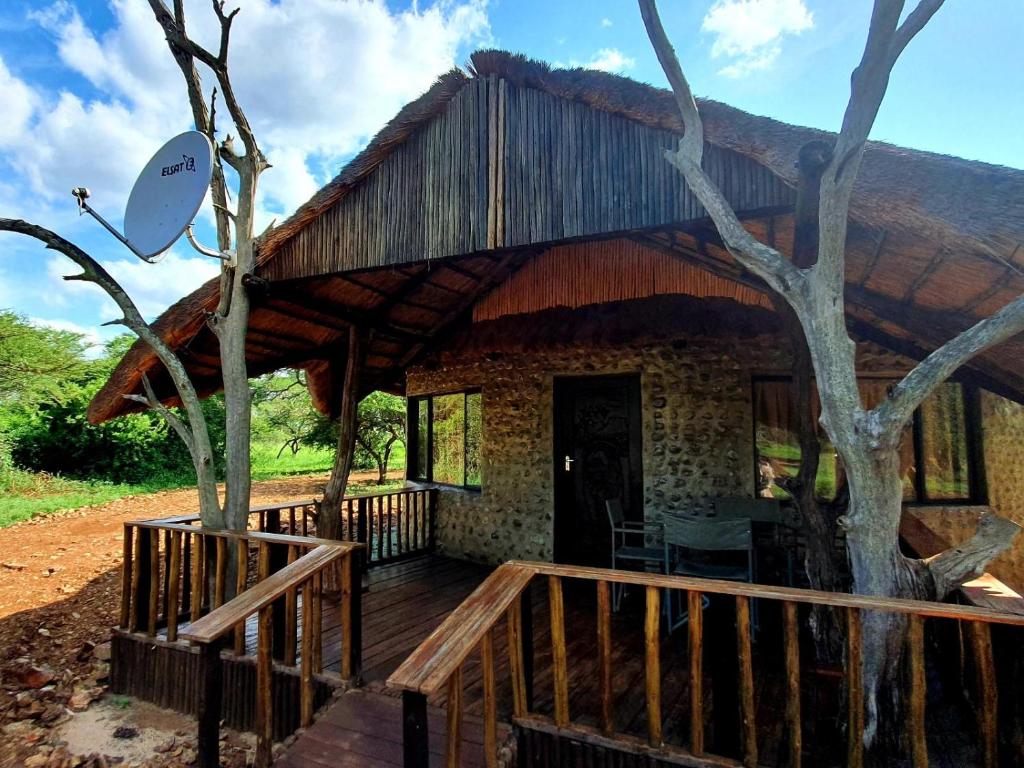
(597, 457)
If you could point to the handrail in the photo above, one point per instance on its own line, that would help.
(222, 620)
(438, 663)
(394, 524)
(270, 538)
(787, 594)
(437, 657)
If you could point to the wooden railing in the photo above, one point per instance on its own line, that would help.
(175, 580)
(437, 665)
(392, 524)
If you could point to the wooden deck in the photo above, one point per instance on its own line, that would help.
(406, 601)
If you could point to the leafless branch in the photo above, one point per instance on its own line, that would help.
(764, 261)
(944, 361)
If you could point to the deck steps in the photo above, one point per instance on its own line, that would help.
(363, 728)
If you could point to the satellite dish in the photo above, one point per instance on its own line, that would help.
(168, 193)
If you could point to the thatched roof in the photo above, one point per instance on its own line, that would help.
(935, 241)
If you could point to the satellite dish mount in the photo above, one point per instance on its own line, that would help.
(165, 199)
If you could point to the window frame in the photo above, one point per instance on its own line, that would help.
(977, 485)
(412, 437)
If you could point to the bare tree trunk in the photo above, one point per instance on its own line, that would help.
(329, 526)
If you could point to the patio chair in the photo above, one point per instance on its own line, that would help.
(697, 548)
(632, 546)
(769, 512)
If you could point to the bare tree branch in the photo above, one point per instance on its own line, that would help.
(152, 401)
(954, 567)
(909, 393)
(913, 24)
(762, 260)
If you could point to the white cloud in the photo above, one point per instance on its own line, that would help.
(606, 22)
(316, 77)
(605, 60)
(750, 32)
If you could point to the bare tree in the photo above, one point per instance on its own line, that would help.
(231, 319)
(192, 430)
(866, 440)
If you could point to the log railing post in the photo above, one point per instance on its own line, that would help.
(432, 496)
(453, 749)
(363, 524)
(490, 700)
(695, 609)
(173, 585)
(290, 614)
(264, 687)
(987, 704)
(652, 666)
(154, 582)
(241, 582)
(526, 634)
(604, 651)
(415, 746)
(558, 652)
(918, 693)
(791, 643)
(209, 705)
(126, 577)
(139, 618)
(746, 663)
(306, 657)
(352, 616)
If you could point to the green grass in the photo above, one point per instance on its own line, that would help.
(308, 461)
(24, 495)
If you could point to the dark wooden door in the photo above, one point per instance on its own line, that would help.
(597, 457)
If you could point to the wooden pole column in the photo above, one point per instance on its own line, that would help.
(329, 526)
(209, 705)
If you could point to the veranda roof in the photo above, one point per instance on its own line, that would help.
(494, 166)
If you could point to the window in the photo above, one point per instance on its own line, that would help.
(446, 435)
(938, 459)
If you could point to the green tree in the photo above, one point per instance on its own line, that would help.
(381, 424)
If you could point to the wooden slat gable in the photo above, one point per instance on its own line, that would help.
(508, 166)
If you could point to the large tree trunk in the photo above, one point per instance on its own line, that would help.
(880, 568)
(329, 525)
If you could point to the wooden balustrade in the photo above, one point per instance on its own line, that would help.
(188, 579)
(392, 524)
(438, 665)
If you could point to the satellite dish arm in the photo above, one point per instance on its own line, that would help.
(80, 194)
(228, 256)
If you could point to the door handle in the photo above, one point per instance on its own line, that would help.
(568, 463)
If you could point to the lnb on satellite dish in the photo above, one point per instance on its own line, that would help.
(166, 196)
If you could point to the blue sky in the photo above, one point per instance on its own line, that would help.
(89, 91)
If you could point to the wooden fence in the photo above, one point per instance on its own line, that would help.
(178, 575)
(437, 665)
(392, 524)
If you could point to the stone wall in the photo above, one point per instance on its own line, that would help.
(697, 438)
(696, 423)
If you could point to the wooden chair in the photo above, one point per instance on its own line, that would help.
(631, 546)
(694, 547)
(769, 512)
